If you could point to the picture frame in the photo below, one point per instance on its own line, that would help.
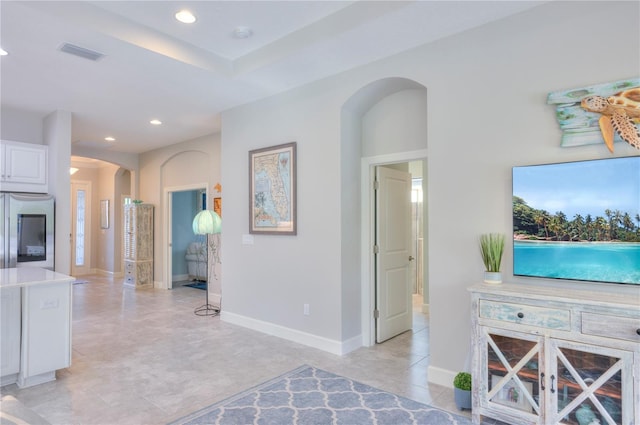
(272, 190)
(217, 206)
(510, 395)
(104, 214)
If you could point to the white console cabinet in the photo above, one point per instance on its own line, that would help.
(23, 167)
(545, 355)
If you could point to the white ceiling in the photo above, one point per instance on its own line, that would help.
(185, 75)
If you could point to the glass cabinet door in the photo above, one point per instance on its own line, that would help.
(590, 384)
(513, 372)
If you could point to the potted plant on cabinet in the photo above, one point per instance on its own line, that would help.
(462, 390)
(492, 248)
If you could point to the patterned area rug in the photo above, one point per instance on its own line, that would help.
(312, 396)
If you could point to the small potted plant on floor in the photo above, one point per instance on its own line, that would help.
(462, 390)
(491, 248)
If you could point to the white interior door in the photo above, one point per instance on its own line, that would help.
(80, 228)
(393, 241)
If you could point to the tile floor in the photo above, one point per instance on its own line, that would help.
(143, 357)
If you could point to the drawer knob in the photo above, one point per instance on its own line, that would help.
(521, 315)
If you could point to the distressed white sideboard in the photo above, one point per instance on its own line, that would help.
(138, 245)
(556, 355)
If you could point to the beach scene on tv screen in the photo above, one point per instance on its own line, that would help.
(578, 220)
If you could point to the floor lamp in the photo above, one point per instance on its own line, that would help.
(207, 222)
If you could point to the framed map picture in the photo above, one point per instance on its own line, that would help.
(272, 190)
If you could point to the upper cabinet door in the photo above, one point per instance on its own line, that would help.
(24, 167)
(26, 164)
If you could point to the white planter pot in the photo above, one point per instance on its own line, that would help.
(493, 278)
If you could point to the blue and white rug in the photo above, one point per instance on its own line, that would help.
(312, 396)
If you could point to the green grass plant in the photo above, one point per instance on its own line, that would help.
(491, 248)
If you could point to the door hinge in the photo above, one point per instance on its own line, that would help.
(376, 314)
(376, 249)
(375, 185)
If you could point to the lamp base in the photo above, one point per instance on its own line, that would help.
(207, 310)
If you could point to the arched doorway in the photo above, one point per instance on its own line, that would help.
(383, 123)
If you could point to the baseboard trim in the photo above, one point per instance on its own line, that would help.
(179, 277)
(304, 338)
(107, 273)
(441, 376)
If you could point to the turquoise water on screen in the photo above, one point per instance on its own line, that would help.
(601, 262)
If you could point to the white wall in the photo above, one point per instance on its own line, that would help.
(105, 240)
(21, 126)
(399, 119)
(487, 112)
(56, 134)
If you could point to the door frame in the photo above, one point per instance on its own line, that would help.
(167, 220)
(367, 236)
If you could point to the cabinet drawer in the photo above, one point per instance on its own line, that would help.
(611, 326)
(550, 318)
(130, 280)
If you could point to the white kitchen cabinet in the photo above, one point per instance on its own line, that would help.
(9, 334)
(23, 167)
(38, 305)
(138, 245)
(544, 356)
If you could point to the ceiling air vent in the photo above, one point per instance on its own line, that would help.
(80, 51)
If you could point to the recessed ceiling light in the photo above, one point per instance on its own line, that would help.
(155, 122)
(242, 32)
(185, 17)
(3, 52)
(109, 139)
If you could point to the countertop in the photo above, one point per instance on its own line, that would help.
(25, 276)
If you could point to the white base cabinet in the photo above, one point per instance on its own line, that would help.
(35, 325)
(46, 332)
(545, 356)
(9, 334)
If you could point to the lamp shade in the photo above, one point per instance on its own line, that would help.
(207, 222)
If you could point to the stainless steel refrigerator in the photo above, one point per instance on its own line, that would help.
(27, 231)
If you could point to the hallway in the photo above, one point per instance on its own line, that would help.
(143, 357)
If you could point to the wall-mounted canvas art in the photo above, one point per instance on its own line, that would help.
(580, 126)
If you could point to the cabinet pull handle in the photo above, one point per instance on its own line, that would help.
(638, 331)
(542, 387)
(520, 315)
(552, 389)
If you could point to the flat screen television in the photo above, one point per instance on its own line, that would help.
(578, 220)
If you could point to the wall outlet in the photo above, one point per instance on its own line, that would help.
(306, 309)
